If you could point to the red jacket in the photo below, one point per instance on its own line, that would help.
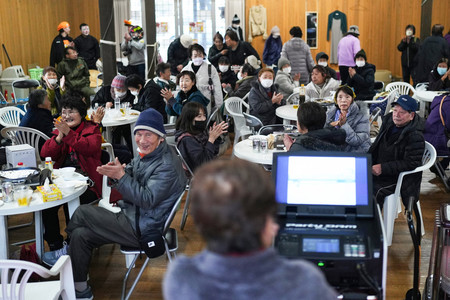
(86, 142)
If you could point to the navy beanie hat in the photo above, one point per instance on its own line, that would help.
(151, 120)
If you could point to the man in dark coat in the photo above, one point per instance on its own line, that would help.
(61, 41)
(398, 147)
(238, 50)
(311, 118)
(177, 54)
(87, 47)
(431, 50)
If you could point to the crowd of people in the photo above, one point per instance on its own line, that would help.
(148, 184)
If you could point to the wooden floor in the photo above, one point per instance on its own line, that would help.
(108, 265)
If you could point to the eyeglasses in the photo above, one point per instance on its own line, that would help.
(69, 112)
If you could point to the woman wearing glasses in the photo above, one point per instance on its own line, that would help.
(347, 115)
(76, 142)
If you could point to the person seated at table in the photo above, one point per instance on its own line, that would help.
(149, 185)
(146, 96)
(38, 115)
(234, 209)
(107, 95)
(49, 82)
(439, 78)
(286, 83)
(311, 118)
(76, 142)
(188, 93)
(346, 114)
(195, 143)
(227, 76)
(264, 98)
(362, 77)
(322, 60)
(246, 77)
(321, 85)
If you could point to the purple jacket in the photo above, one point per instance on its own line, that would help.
(434, 130)
(347, 48)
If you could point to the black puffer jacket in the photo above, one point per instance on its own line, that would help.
(326, 139)
(261, 105)
(398, 153)
(409, 51)
(177, 55)
(150, 97)
(196, 149)
(152, 183)
(104, 95)
(363, 82)
(436, 83)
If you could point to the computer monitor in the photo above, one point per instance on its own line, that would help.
(323, 184)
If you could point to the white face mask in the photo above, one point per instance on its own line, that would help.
(322, 63)
(360, 63)
(235, 25)
(120, 94)
(239, 76)
(223, 68)
(409, 32)
(287, 70)
(266, 83)
(52, 81)
(197, 61)
(134, 93)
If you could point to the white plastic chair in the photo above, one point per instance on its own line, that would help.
(233, 105)
(392, 203)
(403, 88)
(25, 135)
(170, 239)
(21, 289)
(10, 116)
(292, 96)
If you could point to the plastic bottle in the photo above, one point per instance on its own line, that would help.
(117, 103)
(49, 163)
(302, 94)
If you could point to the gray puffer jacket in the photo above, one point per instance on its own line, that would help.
(285, 83)
(152, 183)
(299, 54)
(357, 128)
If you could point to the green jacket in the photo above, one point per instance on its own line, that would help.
(76, 72)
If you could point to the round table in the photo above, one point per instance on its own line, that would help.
(36, 206)
(287, 112)
(425, 96)
(112, 118)
(244, 150)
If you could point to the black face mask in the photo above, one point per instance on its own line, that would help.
(200, 125)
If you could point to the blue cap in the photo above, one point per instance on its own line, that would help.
(151, 120)
(406, 102)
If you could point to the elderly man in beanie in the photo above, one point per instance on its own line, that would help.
(149, 186)
(398, 147)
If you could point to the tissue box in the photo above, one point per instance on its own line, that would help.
(21, 153)
(55, 193)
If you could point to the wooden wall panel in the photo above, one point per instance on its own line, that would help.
(28, 27)
(441, 11)
(381, 23)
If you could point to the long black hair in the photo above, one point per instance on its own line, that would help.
(186, 120)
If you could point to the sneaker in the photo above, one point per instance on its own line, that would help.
(50, 258)
(84, 295)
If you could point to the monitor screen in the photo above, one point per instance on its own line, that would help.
(333, 181)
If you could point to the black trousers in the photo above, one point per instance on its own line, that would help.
(409, 72)
(343, 71)
(92, 227)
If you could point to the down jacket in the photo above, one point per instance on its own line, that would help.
(285, 84)
(299, 54)
(177, 55)
(153, 183)
(326, 139)
(363, 82)
(400, 153)
(261, 105)
(434, 129)
(86, 142)
(357, 128)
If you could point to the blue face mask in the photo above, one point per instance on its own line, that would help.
(441, 71)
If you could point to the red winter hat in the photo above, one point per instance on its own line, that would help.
(119, 82)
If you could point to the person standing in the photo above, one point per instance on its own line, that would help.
(272, 49)
(87, 46)
(348, 46)
(177, 54)
(409, 46)
(299, 54)
(60, 42)
(236, 28)
(133, 46)
(432, 49)
(238, 50)
(217, 50)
